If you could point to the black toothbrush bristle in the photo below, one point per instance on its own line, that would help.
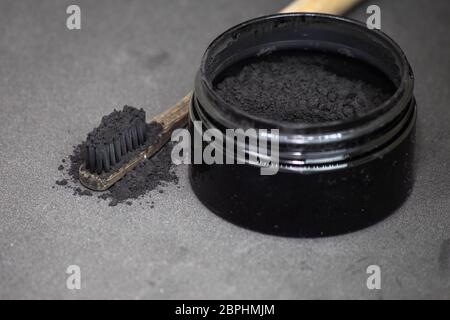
(119, 134)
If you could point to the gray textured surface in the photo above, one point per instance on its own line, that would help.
(56, 84)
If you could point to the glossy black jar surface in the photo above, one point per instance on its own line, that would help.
(334, 177)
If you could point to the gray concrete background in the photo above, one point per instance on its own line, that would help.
(56, 84)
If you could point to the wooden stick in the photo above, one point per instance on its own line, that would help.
(336, 7)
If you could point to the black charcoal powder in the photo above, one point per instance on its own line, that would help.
(303, 86)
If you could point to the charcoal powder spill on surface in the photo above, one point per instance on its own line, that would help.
(148, 175)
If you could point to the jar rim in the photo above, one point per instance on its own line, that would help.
(383, 124)
(405, 87)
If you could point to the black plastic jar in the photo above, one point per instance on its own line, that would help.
(334, 177)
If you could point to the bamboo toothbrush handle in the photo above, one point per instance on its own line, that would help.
(336, 7)
(176, 116)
